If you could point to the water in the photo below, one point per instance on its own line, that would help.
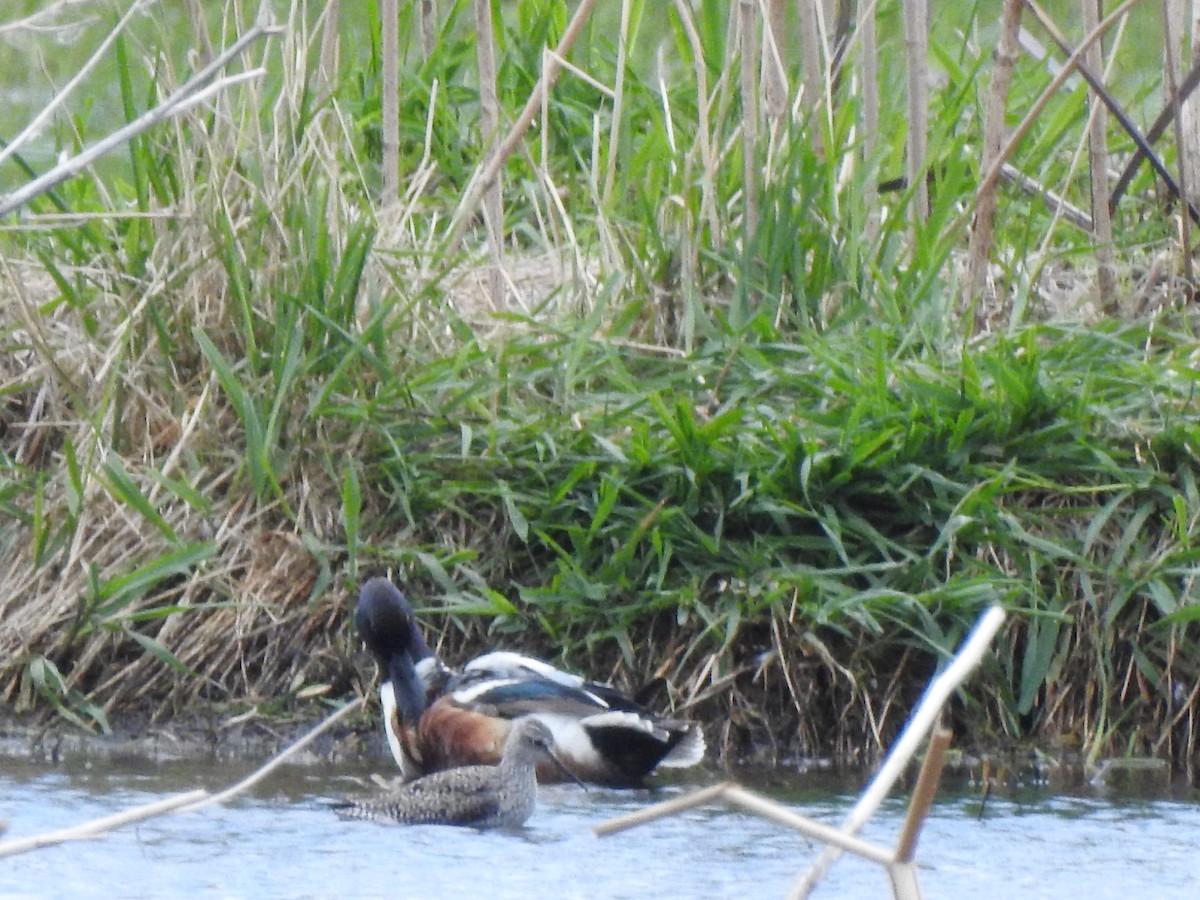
(283, 841)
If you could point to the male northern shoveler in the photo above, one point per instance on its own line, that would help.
(500, 796)
(436, 719)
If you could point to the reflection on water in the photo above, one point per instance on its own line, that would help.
(283, 841)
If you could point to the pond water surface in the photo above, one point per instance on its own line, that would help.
(281, 840)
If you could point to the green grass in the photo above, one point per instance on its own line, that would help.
(770, 461)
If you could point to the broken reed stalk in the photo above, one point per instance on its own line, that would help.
(97, 827)
(186, 802)
(661, 810)
(489, 111)
(183, 98)
(916, 40)
(389, 24)
(275, 762)
(494, 161)
(923, 794)
(1106, 279)
(919, 724)
(1055, 203)
(979, 248)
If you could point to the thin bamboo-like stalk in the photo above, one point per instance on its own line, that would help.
(747, 29)
(489, 105)
(979, 248)
(389, 23)
(774, 78)
(1106, 282)
(494, 161)
(195, 90)
(1182, 148)
(868, 68)
(813, 69)
(919, 724)
(923, 794)
(662, 810)
(916, 40)
(988, 182)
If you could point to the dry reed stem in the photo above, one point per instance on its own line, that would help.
(979, 248)
(1055, 203)
(494, 161)
(493, 198)
(661, 810)
(1097, 130)
(389, 24)
(97, 827)
(868, 68)
(618, 100)
(200, 30)
(1182, 149)
(814, 54)
(916, 41)
(330, 44)
(1164, 119)
(919, 723)
(1143, 143)
(190, 801)
(280, 758)
(773, 75)
(992, 174)
(923, 793)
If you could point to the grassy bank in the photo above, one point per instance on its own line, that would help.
(741, 435)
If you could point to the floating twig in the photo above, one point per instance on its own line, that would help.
(97, 827)
(190, 801)
(262, 772)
